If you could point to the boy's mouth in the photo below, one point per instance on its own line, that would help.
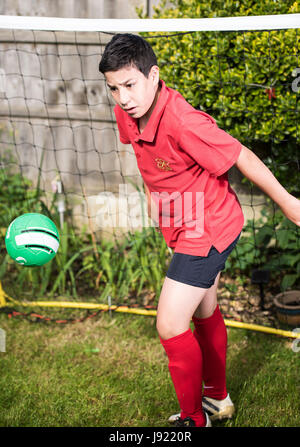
(130, 110)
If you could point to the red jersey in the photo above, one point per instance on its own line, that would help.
(183, 157)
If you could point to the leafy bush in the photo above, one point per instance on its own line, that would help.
(270, 243)
(243, 79)
(19, 196)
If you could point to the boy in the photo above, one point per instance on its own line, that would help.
(183, 158)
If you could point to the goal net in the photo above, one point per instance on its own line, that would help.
(60, 152)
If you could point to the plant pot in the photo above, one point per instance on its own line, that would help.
(287, 306)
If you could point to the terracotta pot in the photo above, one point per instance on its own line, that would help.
(287, 306)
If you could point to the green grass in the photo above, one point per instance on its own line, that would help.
(113, 372)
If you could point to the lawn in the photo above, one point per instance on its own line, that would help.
(111, 371)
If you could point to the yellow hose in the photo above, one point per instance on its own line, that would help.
(256, 327)
(67, 304)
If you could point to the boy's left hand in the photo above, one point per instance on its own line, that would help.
(291, 209)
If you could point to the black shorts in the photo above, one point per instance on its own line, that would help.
(199, 271)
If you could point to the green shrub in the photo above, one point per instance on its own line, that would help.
(230, 76)
(270, 243)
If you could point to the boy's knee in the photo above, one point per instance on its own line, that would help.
(166, 330)
(163, 330)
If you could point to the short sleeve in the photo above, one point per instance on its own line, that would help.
(119, 114)
(211, 147)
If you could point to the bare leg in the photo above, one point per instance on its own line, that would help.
(177, 304)
(209, 302)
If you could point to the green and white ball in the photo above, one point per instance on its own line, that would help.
(32, 239)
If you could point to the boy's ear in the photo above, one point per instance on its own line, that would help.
(154, 73)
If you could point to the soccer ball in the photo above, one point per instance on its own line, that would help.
(32, 239)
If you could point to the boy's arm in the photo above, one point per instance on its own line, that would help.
(257, 172)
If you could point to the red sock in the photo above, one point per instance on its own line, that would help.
(185, 366)
(212, 337)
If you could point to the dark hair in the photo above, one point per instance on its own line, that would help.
(125, 50)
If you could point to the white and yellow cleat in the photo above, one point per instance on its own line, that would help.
(218, 409)
(215, 409)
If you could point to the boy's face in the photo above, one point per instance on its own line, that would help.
(132, 91)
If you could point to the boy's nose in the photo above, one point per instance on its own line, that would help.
(123, 98)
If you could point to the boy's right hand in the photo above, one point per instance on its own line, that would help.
(291, 209)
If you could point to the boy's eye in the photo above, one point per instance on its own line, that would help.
(113, 89)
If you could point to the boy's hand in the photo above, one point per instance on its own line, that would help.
(291, 209)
